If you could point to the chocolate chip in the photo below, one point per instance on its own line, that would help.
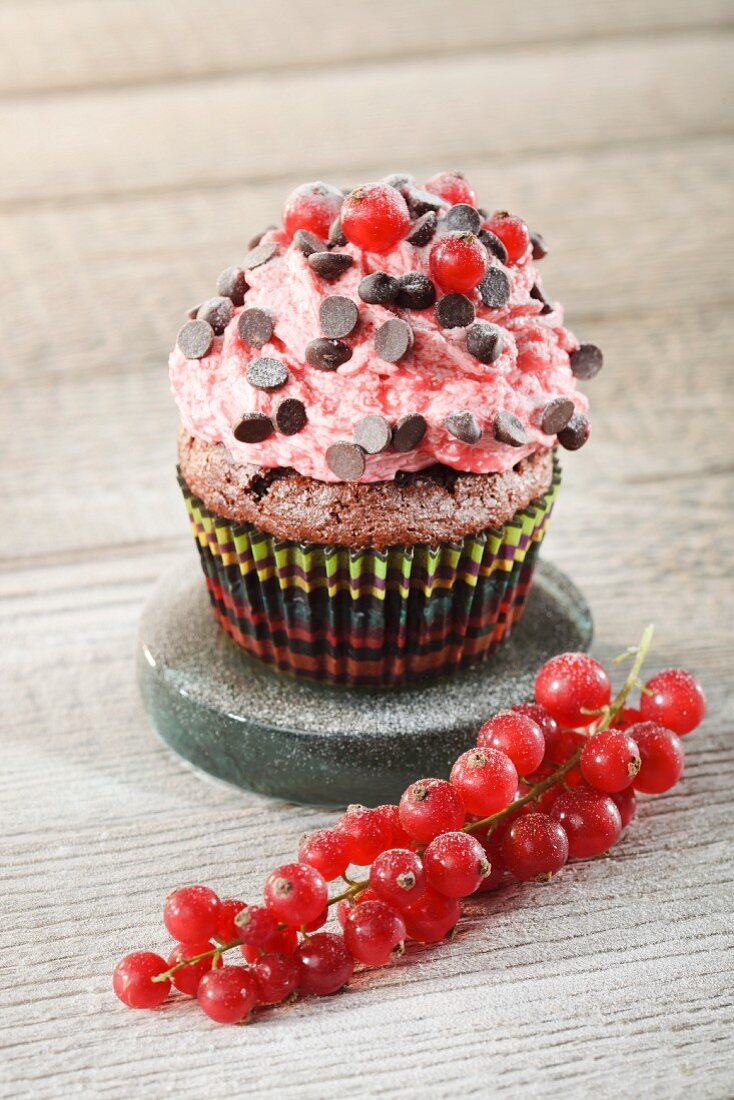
(259, 255)
(330, 265)
(327, 354)
(253, 428)
(508, 429)
(336, 233)
(338, 316)
(464, 426)
(267, 374)
(455, 311)
(393, 340)
(540, 248)
(255, 241)
(307, 242)
(346, 460)
(255, 327)
(415, 291)
(586, 361)
(538, 293)
(217, 312)
(423, 230)
(494, 289)
(195, 339)
(463, 218)
(485, 341)
(290, 416)
(408, 433)
(231, 284)
(378, 289)
(373, 434)
(555, 415)
(494, 245)
(420, 202)
(576, 432)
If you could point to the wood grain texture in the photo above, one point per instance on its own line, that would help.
(121, 206)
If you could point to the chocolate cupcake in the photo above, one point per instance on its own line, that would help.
(368, 438)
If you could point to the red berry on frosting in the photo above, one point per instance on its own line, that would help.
(312, 206)
(513, 233)
(375, 217)
(453, 187)
(458, 262)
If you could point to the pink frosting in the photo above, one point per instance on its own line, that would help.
(436, 378)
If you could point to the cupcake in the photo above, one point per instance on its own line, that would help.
(371, 409)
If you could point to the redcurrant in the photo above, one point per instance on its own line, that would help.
(324, 964)
(276, 977)
(430, 807)
(455, 864)
(626, 803)
(571, 684)
(458, 262)
(374, 933)
(312, 206)
(516, 735)
(534, 847)
(432, 917)
(296, 894)
(610, 760)
(397, 877)
(675, 699)
(486, 780)
(548, 726)
(132, 983)
(191, 914)
(661, 753)
(398, 836)
(375, 217)
(256, 925)
(284, 942)
(187, 978)
(513, 233)
(367, 833)
(628, 716)
(590, 820)
(327, 850)
(227, 995)
(453, 187)
(226, 928)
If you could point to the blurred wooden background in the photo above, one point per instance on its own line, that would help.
(143, 142)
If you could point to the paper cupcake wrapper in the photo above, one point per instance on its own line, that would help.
(369, 617)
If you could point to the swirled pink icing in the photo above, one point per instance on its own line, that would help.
(436, 378)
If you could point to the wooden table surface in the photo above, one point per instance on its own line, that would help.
(142, 143)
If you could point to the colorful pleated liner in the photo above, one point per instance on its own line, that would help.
(369, 617)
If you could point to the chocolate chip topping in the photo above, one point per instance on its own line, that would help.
(259, 255)
(195, 339)
(408, 433)
(217, 312)
(420, 202)
(464, 426)
(555, 415)
(455, 311)
(326, 354)
(538, 293)
(540, 248)
(415, 291)
(393, 340)
(255, 327)
(373, 434)
(290, 416)
(346, 460)
(493, 244)
(485, 341)
(330, 265)
(463, 218)
(576, 432)
(253, 428)
(423, 229)
(267, 373)
(336, 233)
(338, 316)
(508, 429)
(231, 284)
(307, 242)
(586, 361)
(494, 289)
(255, 241)
(378, 289)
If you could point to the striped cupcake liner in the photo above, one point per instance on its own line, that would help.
(369, 617)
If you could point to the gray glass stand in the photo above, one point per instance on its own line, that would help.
(316, 743)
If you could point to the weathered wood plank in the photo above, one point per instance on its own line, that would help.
(252, 128)
(47, 45)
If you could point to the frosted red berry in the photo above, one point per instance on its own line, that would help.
(390, 814)
(570, 685)
(548, 725)
(534, 847)
(227, 995)
(375, 217)
(610, 760)
(512, 231)
(485, 779)
(186, 980)
(590, 820)
(327, 850)
(132, 983)
(397, 877)
(628, 716)
(430, 807)
(517, 736)
(455, 864)
(257, 925)
(453, 187)
(226, 928)
(276, 977)
(432, 917)
(675, 699)
(284, 942)
(458, 262)
(296, 894)
(661, 753)
(367, 833)
(191, 914)
(626, 803)
(374, 933)
(313, 207)
(324, 964)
